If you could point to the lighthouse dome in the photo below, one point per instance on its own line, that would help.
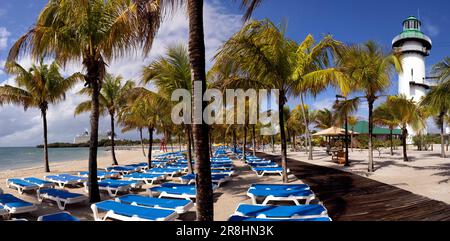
(412, 32)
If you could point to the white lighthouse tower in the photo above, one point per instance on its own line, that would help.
(414, 46)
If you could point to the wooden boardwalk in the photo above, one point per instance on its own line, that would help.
(350, 197)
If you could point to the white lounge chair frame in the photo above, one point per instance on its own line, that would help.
(61, 202)
(112, 215)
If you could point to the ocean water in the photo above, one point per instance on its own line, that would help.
(23, 157)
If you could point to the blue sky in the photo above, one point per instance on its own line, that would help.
(347, 20)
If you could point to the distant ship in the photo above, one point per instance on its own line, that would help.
(85, 137)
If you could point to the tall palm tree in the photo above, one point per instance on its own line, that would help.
(197, 62)
(324, 119)
(311, 69)
(169, 73)
(94, 32)
(37, 87)
(263, 51)
(352, 121)
(406, 113)
(112, 97)
(437, 100)
(368, 69)
(384, 115)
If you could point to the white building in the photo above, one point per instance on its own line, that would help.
(414, 46)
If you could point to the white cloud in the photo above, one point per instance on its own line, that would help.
(4, 34)
(21, 128)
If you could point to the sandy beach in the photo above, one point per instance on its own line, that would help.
(227, 197)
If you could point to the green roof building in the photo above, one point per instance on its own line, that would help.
(362, 127)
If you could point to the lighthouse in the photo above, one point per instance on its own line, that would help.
(414, 46)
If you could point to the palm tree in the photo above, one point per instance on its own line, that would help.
(406, 113)
(94, 32)
(384, 115)
(112, 97)
(368, 69)
(205, 207)
(311, 70)
(169, 73)
(37, 87)
(148, 111)
(437, 100)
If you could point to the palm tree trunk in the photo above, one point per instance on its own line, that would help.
(282, 136)
(273, 143)
(293, 140)
(179, 142)
(351, 140)
(442, 122)
(307, 133)
(244, 147)
(392, 141)
(371, 166)
(93, 79)
(404, 136)
(204, 197)
(113, 151)
(210, 143)
(189, 149)
(142, 142)
(150, 146)
(234, 140)
(44, 120)
(253, 140)
(171, 142)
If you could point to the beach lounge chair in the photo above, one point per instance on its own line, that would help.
(101, 175)
(261, 171)
(177, 205)
(58, 217)
(140, 166)
(145, 177)
(215, 178)
(63, 180)
(21, 185)
(164, 171)
(237, 218)
(174, 190)
(126, 212)
(61, 197)
(3, 211)
(134, 184)
(224, 172)
(39, 182)
(268, 193)
(112, 188)
(15, 205)
(122, 169)
(263, 165)
(273, 211)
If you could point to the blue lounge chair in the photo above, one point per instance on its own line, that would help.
(174, 190)
(21, 185)
(122, 169)
(126, 212)
(41, 183)
(58, 217)
(101, 175)
(164, 171)
(133, 184)
(3, 211)
(224, 172)
(215, 178)
(112, 188)
(63, 180)
(273, 211)
(269, 193)
(236, 218)
(145, 177)
(61, 197)
(180, 206)
(261, 171)
(15, 205)
(263, 165)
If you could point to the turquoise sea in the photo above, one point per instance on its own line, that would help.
(23, 157)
